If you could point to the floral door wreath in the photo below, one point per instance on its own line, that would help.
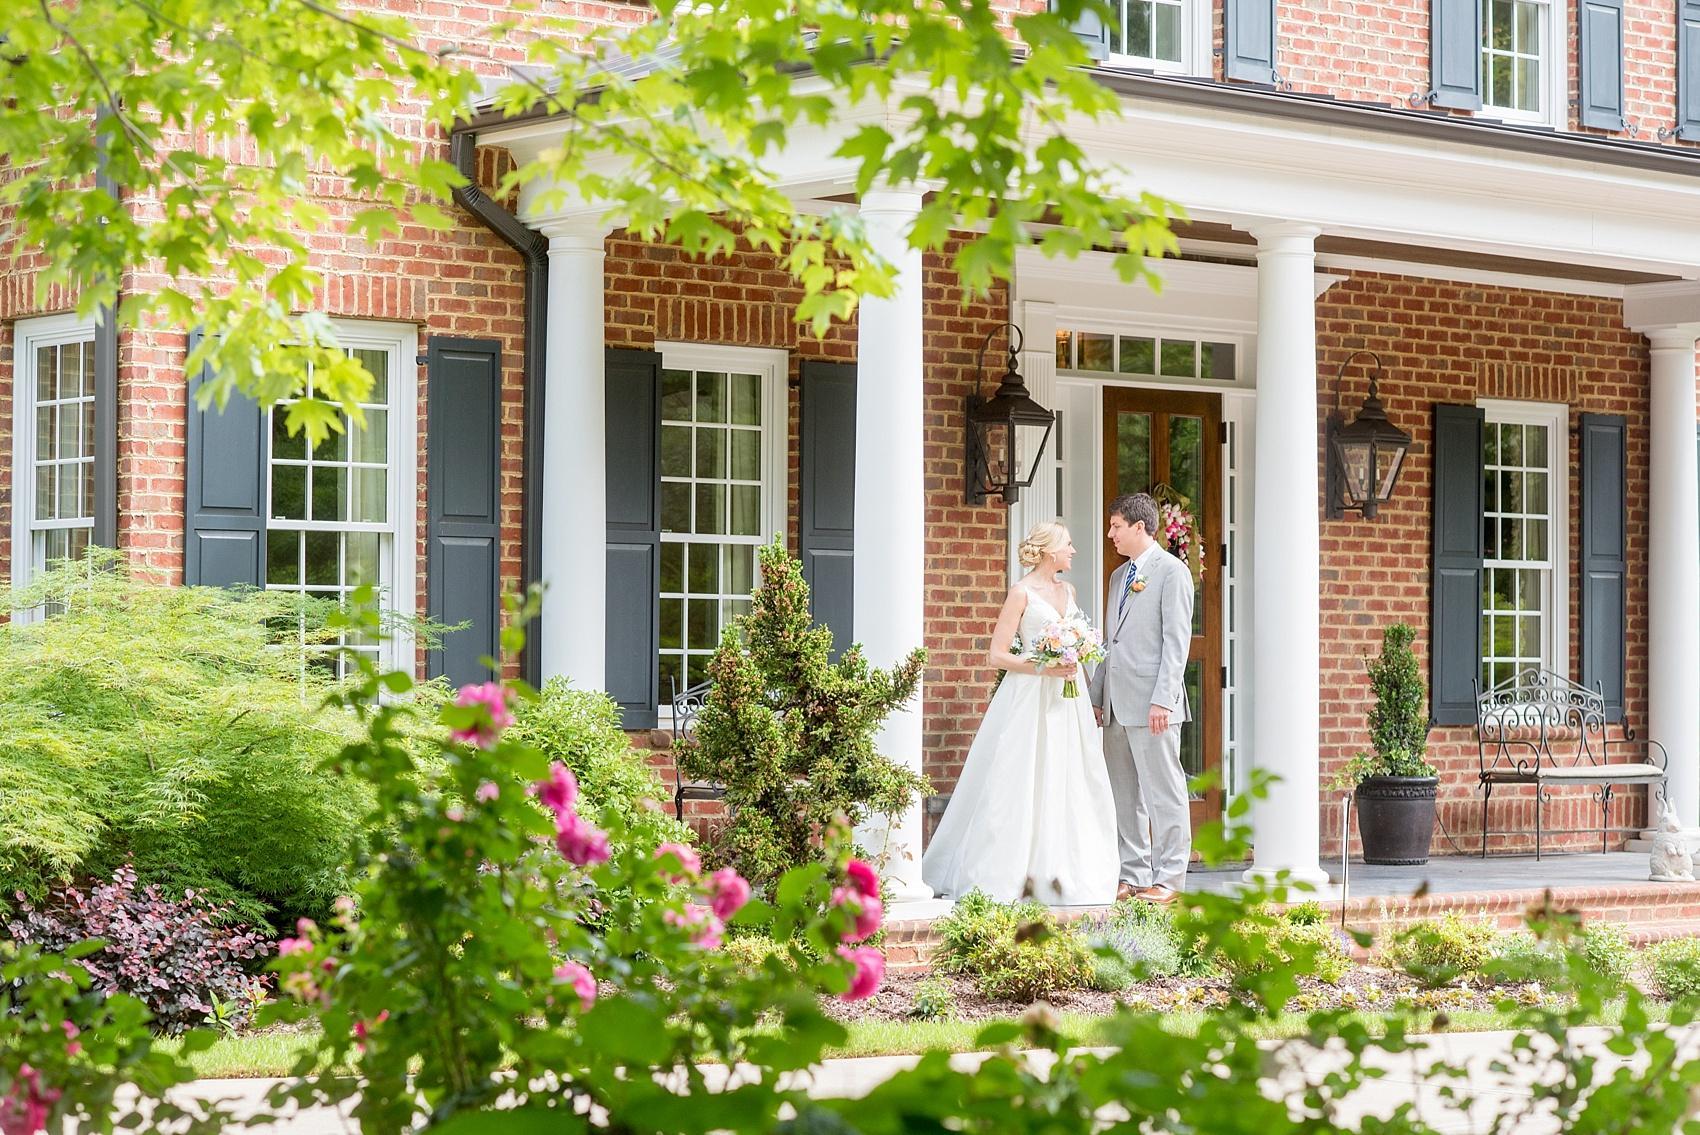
(1180, 534)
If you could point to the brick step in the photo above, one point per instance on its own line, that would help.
(1641, 903)
(1644, 934)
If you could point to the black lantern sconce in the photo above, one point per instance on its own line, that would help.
(1006, 432)
(1364, 457)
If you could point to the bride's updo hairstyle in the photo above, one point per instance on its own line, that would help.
(1044, 539)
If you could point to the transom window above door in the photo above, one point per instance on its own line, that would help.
(1148, 356)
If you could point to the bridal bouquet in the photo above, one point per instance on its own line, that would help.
(1068, 640)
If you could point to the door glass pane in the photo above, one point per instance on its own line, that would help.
(1192, 737)
(1186, 460)
(1133, 453)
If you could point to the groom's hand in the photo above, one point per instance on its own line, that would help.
(1098, 713)
(1159, 719)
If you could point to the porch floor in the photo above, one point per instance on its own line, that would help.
(1467, 874)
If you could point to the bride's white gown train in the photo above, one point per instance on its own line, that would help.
(1032, 811)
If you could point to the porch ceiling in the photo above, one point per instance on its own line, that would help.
(1418, 255)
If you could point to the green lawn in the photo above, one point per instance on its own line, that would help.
(275, 1054)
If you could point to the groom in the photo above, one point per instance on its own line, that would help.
(1139, 695)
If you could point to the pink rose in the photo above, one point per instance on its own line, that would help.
(454, 813)
(493, 697)
(72, 1045)
(580, 978)
(690, 865)
(580, 843)
(863, 877)
(868, 909)
(487, 791)
(701, 922)
(869, 971)
(560, 791)
(730, 892)
(287, 946)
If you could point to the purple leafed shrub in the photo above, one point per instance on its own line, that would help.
(173, 954)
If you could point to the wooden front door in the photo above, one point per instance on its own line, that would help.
(1160, 437)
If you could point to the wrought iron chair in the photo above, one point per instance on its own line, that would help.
(687, 703)
(1538, 728)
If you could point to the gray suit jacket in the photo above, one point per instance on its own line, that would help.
(1146, 649)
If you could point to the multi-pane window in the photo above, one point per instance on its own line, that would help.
(1514, 56)
(330, 526)
(1146, 356)
(719, 494)
(1149, 32)
(53, 444)
(1523, 592)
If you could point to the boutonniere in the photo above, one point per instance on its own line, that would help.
(1138, 585)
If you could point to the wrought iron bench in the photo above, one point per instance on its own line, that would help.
(1538, 728)
(687, 703)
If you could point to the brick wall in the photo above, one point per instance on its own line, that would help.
(1444, 342)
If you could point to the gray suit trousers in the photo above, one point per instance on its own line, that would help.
(1153, 813)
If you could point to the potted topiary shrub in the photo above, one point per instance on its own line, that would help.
(1394, 785)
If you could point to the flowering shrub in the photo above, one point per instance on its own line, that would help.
(513, 949)
(66, 1047)
(176, 955)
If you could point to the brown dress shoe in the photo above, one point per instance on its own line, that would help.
(1127, 891)
(1159, 894)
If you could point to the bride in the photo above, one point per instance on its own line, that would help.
(1032, 812)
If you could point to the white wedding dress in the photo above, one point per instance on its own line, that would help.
(1032, 812)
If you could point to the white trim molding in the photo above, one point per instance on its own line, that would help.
(28, 335)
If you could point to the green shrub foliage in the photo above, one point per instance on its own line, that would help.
(1013, 951)
(175, 728)
(933, 1001)
(1676, 968)
(790, 733)
(1445, 950)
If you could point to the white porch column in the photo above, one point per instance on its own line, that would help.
(574, 492)
(1673, 569)
(1286, 605)
(890, 563)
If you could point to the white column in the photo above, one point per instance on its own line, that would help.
(890, 564)
(574, 490)
(1286, 603)
(1038, 360)
(1673, 569)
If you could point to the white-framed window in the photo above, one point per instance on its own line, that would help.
(1525, 537)
(723, 493)
(1522, 63)
(53, 430)
(340, 514)
(1182, 357)
(1160, 35)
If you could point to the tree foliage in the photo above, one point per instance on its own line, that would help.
(238, 129)
(790, 733)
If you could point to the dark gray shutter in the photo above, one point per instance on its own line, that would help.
(1688, 70)
(634, 534)
(1603, 566)
(1248, 40)
(1601, 63)
(463, 494)
(1089, 26)
(827, 493)
(1455, 53)
(224, 542)
(1455, 634)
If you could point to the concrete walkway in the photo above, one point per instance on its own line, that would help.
(1293, 1064)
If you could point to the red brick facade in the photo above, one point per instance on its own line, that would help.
(1441, 342)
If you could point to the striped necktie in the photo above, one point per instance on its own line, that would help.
(1127, 587)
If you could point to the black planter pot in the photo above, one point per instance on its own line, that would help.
(1396, 818)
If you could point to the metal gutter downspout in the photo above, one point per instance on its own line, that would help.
(534, 247)
(105, 532)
